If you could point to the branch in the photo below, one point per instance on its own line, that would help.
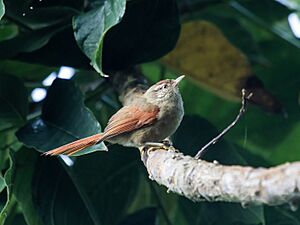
(199, 180)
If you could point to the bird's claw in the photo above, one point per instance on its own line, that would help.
(154, 146)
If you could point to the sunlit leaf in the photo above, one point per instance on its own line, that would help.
(64, 119)
(35, 15)
(2, 9)
(292, 4)
(90, 28)
(269, 15)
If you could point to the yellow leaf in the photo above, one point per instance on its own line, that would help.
(206, 56)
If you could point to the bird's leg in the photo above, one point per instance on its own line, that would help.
(243, 108)
(167, 142)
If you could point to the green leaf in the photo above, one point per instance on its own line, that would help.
(2, 183)
(90, 28)
(22, 172)
(10, 202)
(96, 189)
(8, 31)
(2, 9)
(60, 50)
(27, 42)
(26, 71)
(13, 101)
(64, 119)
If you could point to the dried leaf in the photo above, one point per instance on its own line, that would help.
(206, 56)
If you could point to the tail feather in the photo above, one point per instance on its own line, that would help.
(76, 146)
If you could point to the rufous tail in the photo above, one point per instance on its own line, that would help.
(76, 146)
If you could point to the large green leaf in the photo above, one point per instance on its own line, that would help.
(64, 119)
(13, 101)
(2, 9)
(95, 190)
(23, 165)
(90, 28)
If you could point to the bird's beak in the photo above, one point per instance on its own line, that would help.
(177, 80)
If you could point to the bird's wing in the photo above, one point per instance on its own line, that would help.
(130, 118)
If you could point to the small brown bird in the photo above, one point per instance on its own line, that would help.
(151, 118)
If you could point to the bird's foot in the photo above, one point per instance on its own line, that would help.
(154, 146)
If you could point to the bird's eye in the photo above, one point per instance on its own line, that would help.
(165, 86)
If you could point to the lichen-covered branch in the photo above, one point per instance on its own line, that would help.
(199, 180)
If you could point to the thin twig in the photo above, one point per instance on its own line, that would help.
(242, 111)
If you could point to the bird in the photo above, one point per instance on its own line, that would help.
(150, 118)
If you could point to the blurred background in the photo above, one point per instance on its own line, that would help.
(54, 59)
